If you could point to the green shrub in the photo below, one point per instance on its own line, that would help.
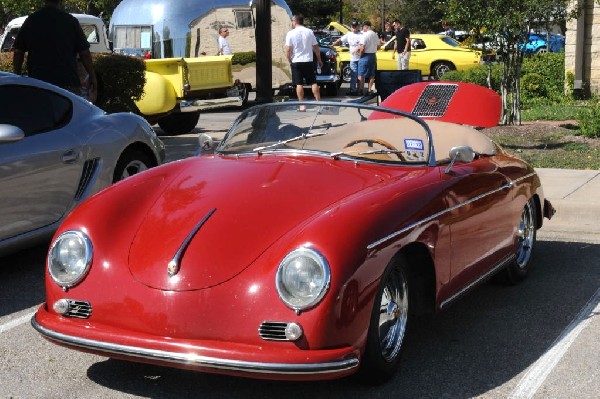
(551, 68)
(6, 63)
(243, 58)
(121, 80)
(588, 119)
(477, 75)
(533, 85)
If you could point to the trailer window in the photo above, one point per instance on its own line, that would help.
(244, 18)
(91, 33)
(9, 39)
(132, 39)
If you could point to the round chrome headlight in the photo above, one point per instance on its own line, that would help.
(69, 258)
(302, 278)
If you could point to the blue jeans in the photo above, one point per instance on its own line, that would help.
(353, 75)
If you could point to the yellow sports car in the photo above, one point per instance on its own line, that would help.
(432, 54)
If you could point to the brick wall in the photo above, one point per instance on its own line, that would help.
(590, 41)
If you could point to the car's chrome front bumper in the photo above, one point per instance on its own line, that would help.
(292, 371)
(333, 78)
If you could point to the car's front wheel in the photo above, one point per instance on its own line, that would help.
(389, 325)
(440, 68)
(131, 163)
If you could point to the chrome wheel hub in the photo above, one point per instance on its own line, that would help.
(133, 168)
(393, 315)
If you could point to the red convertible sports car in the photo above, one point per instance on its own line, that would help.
(301, 248)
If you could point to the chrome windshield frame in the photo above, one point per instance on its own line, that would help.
(286, 104)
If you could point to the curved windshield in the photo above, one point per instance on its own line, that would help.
(332, 129)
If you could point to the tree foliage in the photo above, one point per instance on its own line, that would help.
(316, 12)
(10, 9)
(510, 29)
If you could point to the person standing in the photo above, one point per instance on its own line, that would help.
(369, 44)
(300, 47)
(387, 33)
(448, 31)
(52, 39)
(353, 40)
(402, 45)
(224, 48)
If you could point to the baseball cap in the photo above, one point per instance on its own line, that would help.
(355, 23)
(367, 23)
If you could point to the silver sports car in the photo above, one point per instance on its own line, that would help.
(57, 149)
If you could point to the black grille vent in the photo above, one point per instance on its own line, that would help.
(89, 169)
(273, 330)
(79, 309)
(434, 100)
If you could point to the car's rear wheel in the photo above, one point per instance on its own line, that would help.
(390, 319)
(346, 72)
(131, 163)
(526, 236)
(179, 122)
(440, 68)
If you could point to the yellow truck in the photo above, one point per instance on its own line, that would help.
(180, 41)
(177, 89)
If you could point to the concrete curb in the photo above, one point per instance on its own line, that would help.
(575, 194)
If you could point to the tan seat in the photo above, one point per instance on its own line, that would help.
(395, 131)
(448, 135)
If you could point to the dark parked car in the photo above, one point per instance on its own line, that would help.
(328, 77)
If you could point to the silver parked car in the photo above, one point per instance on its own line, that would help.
(57, 149)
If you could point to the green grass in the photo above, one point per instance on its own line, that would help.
(551, 112)
(557, 150)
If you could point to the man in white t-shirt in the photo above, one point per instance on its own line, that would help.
(224, 48)
(369, 44)
(353, 40)
(300, 47)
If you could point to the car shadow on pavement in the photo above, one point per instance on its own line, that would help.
(480, 343)
(22, 279)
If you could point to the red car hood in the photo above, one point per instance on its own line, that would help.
(256, 201)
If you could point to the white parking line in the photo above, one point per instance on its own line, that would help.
(538, 371)
(18, 321)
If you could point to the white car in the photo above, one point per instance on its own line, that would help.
(93, 29)
(57, 149)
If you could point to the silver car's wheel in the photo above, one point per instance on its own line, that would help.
(389, 324)
(131, 163)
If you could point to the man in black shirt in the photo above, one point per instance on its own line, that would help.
(402, 46)
(52, 40)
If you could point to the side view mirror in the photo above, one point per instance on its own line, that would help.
(206, 143)
(462, 153)
(10, 133)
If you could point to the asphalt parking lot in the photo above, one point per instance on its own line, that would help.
(539, 339)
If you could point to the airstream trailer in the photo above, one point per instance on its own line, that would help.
(189, 29)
